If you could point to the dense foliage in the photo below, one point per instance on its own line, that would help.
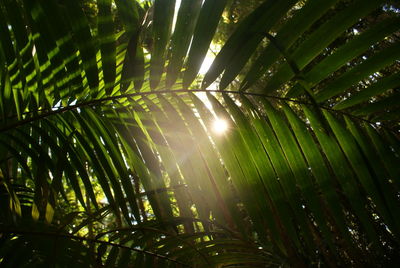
(110, 154)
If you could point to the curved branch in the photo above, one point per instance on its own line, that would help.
(111, 98)
(93, 240)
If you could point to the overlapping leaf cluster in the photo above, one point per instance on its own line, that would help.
(108, 157)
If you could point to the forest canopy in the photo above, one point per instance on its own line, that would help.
(199, 133)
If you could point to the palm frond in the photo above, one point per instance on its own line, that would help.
(109, 153)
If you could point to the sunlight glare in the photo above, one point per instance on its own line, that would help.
(220, 126)
(208, 60)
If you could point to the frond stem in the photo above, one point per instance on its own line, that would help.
(95, 102)
(93, 240)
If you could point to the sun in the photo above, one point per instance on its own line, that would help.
(220, 126)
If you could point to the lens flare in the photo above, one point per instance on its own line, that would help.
(220, 126)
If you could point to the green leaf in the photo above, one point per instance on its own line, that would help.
(206, 26)
(162, 24)
(320, 39)
(133, 66)
(180, 40)
(85, 43)
(374, 63)
(285, 37)
(105, 27)
(360, 168)
(243, 43)
(343, 173)
(319, 169)
(377, 88)
(379, 171)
